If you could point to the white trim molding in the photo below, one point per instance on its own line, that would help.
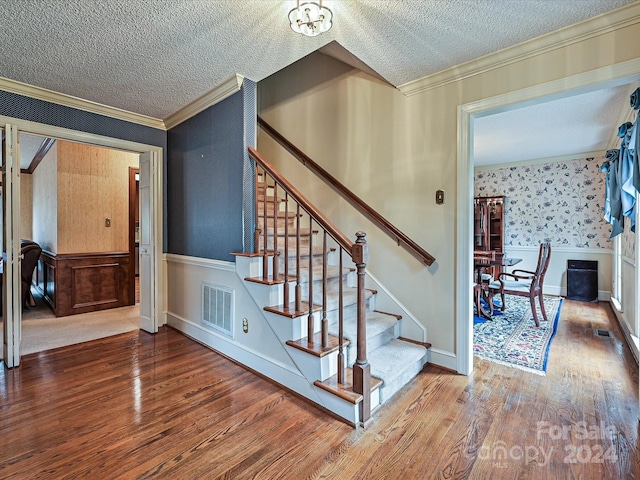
(590, 28)
(201, 262)
(540, 161)
(218, 94)
(50, 96)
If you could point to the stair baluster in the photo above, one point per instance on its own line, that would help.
(258, 230)
(276, 252)
(324, 325)
(286, 249)
(298, 287)
(265, 259)
(342, 372)
(310, 319)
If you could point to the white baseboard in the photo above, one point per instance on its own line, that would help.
(442, 359)
(633, 346)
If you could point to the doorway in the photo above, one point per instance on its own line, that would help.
(152, 212)
(134, 234)
(582, 83)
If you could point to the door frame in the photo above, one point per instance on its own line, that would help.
(158, 283)
(134, 204)
(11, 278)
(609, 76)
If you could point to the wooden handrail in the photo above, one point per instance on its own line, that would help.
(356, 201)
(344, 241)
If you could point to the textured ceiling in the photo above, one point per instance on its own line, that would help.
(579, 124)
(153, 57)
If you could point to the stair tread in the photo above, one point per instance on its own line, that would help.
(290, 310)
(377, 322)
(315, 347)
(392, 359)
(345, 390)
(269, 280)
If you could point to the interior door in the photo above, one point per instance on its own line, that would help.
(148, 314)
(11, 279)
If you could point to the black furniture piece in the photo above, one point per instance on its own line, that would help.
(582, 280)
(30, 252)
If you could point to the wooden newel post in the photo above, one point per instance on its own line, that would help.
(361, 369)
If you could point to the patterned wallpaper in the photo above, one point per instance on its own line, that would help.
(559, 202)
(628, 242)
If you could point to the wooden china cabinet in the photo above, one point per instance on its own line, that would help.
(488, 224)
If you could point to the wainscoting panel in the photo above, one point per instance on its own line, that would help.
(555, 282)
(94, 285)
(81, 283)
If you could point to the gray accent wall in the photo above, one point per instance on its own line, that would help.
(205, 182)
(40, 111)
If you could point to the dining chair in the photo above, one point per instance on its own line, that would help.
(489, 273)
(30, 254)
(524, 283)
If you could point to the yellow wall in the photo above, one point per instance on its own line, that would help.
(26, 206)
(75, 188)
(45, 201)
(93, 185)
(395, 151)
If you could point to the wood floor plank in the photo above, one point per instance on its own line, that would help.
(163, 406)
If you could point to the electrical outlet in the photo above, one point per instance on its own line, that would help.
(245, 325)
(107, 222)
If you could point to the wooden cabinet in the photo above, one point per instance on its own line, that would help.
(488, 223)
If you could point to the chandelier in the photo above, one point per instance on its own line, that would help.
(310, 18)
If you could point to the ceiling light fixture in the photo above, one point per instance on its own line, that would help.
(310, 18)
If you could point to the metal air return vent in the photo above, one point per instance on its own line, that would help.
(602, 333)
(217, 308)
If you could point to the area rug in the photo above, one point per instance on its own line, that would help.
(44, 331)
(511, 337)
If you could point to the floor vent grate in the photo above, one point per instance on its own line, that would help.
(602, 333)
(217, 308)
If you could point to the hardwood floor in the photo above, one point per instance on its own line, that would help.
(162, 406)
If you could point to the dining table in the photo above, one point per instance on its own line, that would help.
(482, 289)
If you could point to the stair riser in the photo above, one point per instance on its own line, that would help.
(304, 241)
(281, 222)
(304, 262)
(349, 311)
(372, 344)
(332, 288)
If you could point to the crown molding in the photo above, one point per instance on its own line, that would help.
(590, 28)
(50, 96)
(539, 161)
(218, 94)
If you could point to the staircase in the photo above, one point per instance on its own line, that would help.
(310, 279)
